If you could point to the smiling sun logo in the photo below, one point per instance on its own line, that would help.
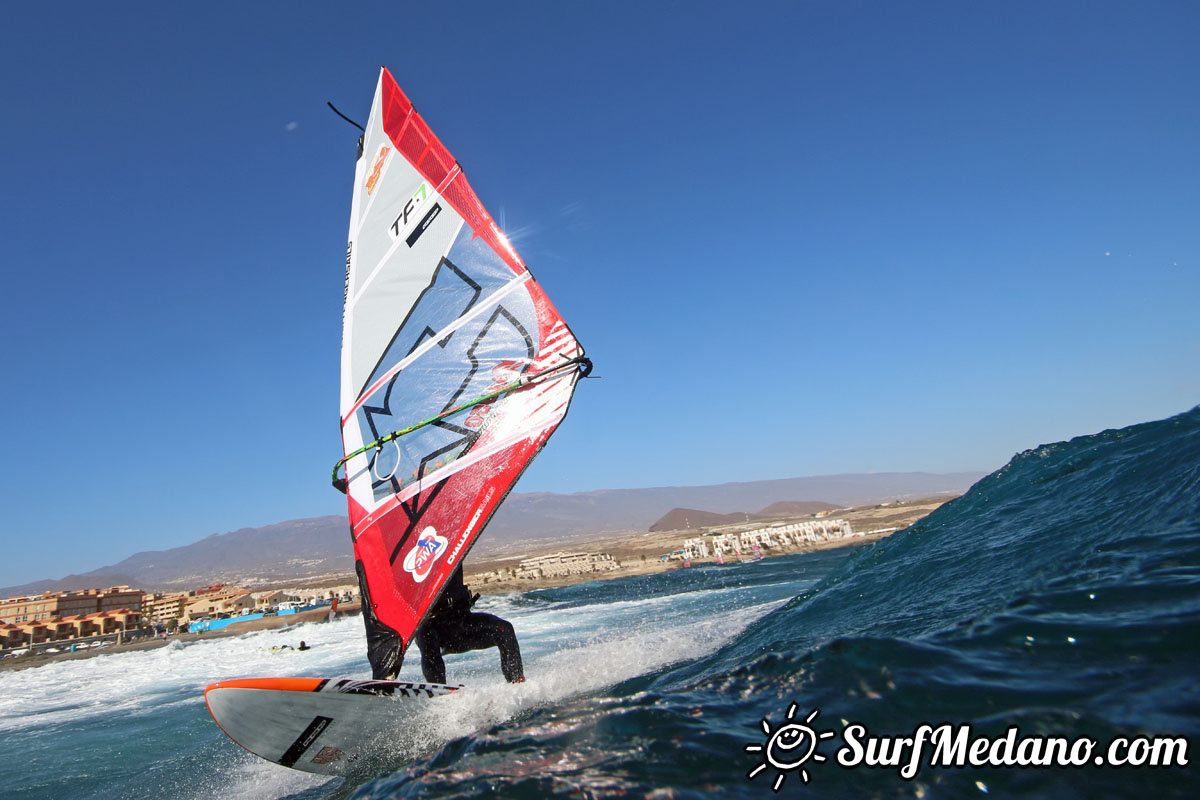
(788, 746)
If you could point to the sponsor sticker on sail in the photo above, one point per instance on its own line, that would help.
(413, 218)
(425, 553)
(376, 168)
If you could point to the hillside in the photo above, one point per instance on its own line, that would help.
(306, 548)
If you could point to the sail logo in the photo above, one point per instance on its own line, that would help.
(504, 374)
(407, 217)
(377, 168)
(425, 553)
(330, 755)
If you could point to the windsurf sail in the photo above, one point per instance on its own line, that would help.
(456, 368)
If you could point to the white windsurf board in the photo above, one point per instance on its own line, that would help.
(328, 726)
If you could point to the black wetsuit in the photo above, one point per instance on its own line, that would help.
(452, 627)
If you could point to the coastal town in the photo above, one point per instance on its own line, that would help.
(565, 561)
(67, 621)
(76, 622)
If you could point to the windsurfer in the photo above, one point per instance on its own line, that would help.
(452, 627)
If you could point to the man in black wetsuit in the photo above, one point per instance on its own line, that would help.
(452, 627)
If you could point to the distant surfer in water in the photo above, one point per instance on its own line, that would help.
(452, 627)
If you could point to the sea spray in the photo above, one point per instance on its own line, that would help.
(1060, 596)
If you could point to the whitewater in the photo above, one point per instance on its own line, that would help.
(1061, 594)
(135, 725)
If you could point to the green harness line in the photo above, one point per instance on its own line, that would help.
(585, 366)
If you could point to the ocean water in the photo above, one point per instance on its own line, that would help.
(1060, 595)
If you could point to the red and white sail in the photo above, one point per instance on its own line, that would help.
(440, 312)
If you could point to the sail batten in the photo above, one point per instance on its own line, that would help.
(456, 369)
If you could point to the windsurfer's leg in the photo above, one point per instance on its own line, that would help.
(385, 648)
(510, 653)
(433, 666)
(480, 631)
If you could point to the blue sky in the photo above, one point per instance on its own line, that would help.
(796, 238)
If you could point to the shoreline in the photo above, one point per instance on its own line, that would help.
(652, 567)
(639, 553)
(33, 660)
(633, 550)
(353, 609)
(28, 661)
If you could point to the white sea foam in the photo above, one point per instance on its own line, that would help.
(569, 650)
(607, 658)
(142, 681)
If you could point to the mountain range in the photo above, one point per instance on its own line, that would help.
(680, 519)
(306, 548)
